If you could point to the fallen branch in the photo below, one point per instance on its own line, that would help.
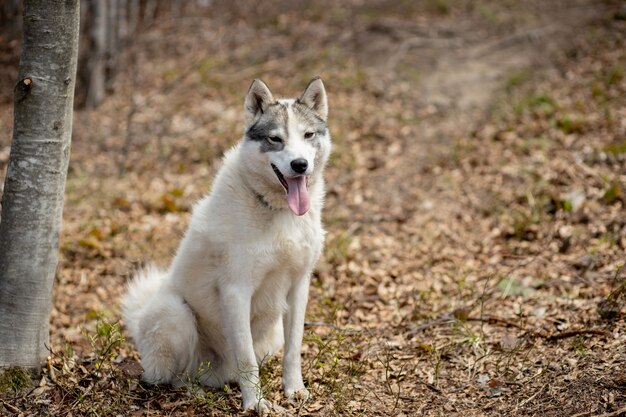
(498, 320)
(571, 333)
(509, 323)
(538, 333)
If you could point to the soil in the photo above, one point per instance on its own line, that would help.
(475, 208)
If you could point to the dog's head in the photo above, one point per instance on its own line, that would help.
(286, 143)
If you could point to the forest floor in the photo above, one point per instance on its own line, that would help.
(476, 216)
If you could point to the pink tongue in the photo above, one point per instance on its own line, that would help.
(298, 195)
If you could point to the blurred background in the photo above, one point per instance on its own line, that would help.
(475, 207)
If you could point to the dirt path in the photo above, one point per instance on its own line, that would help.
(414, 215)
(463, 71)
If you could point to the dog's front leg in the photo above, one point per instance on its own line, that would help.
(293, 323)
(235, 315)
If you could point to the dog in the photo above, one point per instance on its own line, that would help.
(237, 289)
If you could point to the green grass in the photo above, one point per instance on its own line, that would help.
(616, 148)
(15, 379)
(337, 250)
(441, 7)
(570, 123)
(540, 104)
(517, 78)
(612, 193)
(207, 69)
(335, 369)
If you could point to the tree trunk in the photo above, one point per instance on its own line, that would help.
(96, 55)
(122, 24)
(133, 17)
(111, 44)
(10, 23)
(33, 191)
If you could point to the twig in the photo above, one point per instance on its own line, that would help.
(532, 397)
(498, 320)
(616, 413)
(509, 41)
(570, 333)
(446, 318)
(537, 333)
(617, 292)
(321, 324)
(509, 323)
(301, 407)
(431, 387)
(10, 407)
(398, 28)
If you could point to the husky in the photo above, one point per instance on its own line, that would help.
(237, 289)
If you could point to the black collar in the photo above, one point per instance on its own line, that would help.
(263, 202)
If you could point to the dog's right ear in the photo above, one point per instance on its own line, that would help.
(258, 98)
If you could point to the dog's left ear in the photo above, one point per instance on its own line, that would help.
(314, 96)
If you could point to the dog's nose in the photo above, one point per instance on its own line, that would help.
(299, 165)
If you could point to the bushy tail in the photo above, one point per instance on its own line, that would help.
(141, 289)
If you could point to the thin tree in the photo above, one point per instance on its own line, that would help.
(96, 64)
(34, 185)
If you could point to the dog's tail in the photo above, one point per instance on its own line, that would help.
(141, 289)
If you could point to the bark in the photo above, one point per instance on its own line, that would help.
(33, 192)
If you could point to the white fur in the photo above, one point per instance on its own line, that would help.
(238, 285)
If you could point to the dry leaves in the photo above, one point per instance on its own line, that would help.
(476, 227)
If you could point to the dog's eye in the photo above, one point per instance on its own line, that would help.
(309, 135)
(275, 139)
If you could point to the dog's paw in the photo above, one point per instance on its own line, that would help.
(298, 395)
(264, 407)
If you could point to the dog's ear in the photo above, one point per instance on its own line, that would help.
(314, 96)
(258, 98)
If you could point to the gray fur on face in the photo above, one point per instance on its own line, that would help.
(261, 132)
(309, 117)
(312, 120)
(275, 118)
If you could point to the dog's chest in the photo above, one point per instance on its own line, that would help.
(287, 254)
(293, 246)
(286, 248)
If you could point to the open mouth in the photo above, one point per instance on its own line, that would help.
(297, 191)
(281, 178)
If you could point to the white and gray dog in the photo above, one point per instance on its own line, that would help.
(237, 290)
